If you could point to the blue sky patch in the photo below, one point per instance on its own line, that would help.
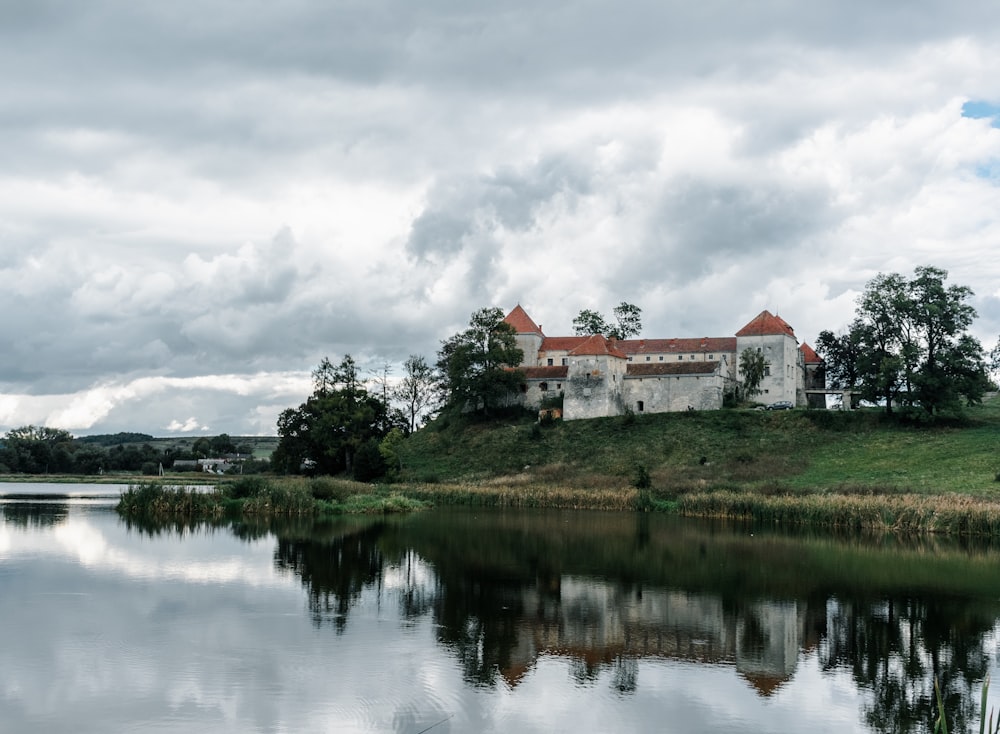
(977, 109)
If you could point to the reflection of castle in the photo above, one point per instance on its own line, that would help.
(600, 377)
(599, 624)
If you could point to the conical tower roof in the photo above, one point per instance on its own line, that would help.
(766, 324)
(522, 323)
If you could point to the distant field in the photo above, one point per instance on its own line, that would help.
(263, 446)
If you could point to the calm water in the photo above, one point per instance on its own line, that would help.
(463, 621)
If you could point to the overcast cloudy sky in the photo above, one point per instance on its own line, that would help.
(199, 200)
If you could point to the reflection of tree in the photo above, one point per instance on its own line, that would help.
(334, 571)
(896, 648)
(478, 618)
(34, 514)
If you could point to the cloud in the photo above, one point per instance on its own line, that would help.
(246, 194)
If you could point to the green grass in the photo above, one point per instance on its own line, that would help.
(684, 452)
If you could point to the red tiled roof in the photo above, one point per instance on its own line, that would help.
(562, 343)
(522, 323)
(597, 344)
(766, 324)
(709, 345)
(810, 355)
(654, 369)
(545, 373)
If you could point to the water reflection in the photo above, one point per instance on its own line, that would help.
(606, 591)
(502, 621)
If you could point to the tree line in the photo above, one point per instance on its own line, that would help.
(42, 450)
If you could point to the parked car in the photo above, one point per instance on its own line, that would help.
(781, 405)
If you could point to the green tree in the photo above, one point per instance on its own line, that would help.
(589, 322)
(627, 322)
(909, 345)
(329, 427)
(951, 362)
(753, 366)
(475, 364)
(222, 444)
(38, 450)
(419, 391)
(883, 309)
(840, 357)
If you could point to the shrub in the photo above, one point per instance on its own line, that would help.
(330, 490)
(642, 479)
(247, 487)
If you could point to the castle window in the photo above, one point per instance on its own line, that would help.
(680, 357)
(648, 357)
(549, 361)
(558, 386)
(692, 356)
(661, 357)
(711, 356)
(544, 386)
(565, 361)
(629, 359)
(640, 406)
(767, 370)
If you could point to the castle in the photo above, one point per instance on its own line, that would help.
(598, 377)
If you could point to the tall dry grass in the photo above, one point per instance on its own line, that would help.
(902, 513)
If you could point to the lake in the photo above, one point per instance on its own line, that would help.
(463, 620)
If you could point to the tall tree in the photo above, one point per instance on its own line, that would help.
(951, 361)
(419, 391)
(627, 322)
(882, 310)
(753, 367)
(329, 427)
(476, 363)
(840, 357)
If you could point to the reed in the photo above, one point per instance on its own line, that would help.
(985, 726)
(952, 514)
(261, 499)
(499, 493)
(156, 500)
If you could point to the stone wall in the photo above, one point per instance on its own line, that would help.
(672, 393)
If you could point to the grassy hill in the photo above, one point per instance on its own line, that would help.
(786, 451)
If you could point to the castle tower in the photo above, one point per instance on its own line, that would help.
(595, 379)
(529, 335)
(775, 339)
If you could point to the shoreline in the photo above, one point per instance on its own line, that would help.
(884, 510)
